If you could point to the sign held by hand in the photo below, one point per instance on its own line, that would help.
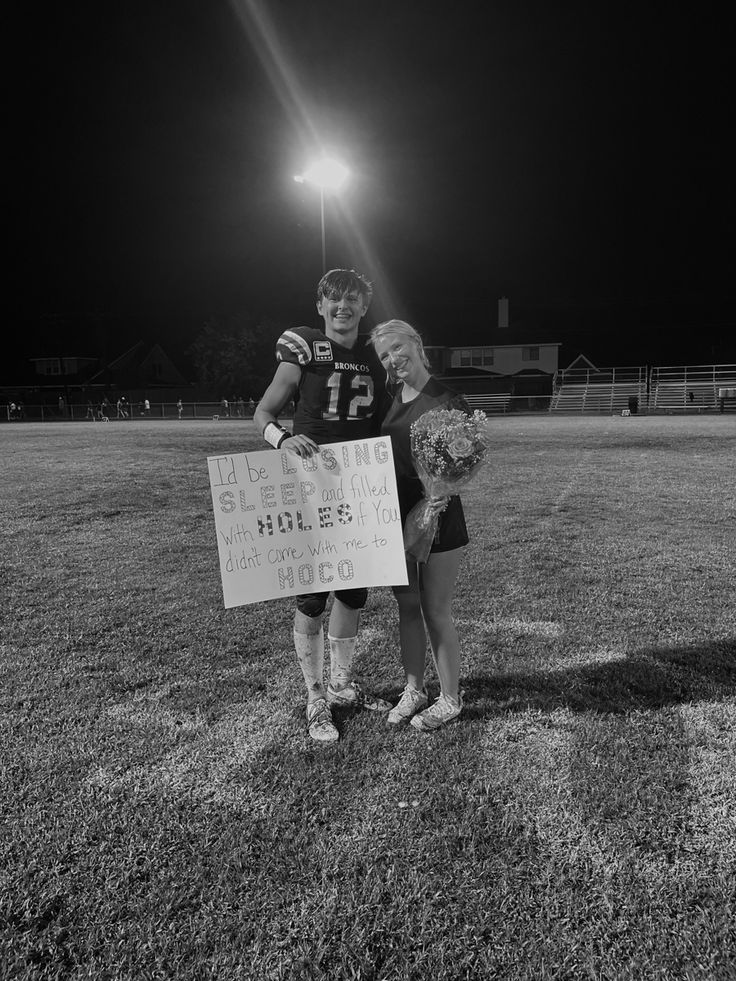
(287, 524)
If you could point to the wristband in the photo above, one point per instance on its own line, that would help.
(275, 434)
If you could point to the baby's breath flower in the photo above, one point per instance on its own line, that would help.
(448, 447)
(448, 444)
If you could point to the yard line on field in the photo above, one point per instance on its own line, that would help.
(588, 787)
(711, 727)
(208, 766)
(534, 761)
(518, 626)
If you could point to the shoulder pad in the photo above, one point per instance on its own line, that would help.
(294, 345)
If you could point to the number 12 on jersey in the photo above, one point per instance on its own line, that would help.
(350, 396)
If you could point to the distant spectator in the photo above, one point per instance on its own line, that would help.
(125, 408)
(241, 407)
(224, 408)
(180, 407)
(146, 407)
(251, 407)
(90, 411)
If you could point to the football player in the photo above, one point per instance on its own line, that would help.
(336, 383)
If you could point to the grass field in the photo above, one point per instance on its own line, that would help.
(164, 815)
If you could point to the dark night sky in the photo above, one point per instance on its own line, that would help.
(576, 160)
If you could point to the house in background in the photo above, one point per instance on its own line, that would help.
(73, 369)
(49, 380)
(143, 371)
(506, 363)
(581, 362)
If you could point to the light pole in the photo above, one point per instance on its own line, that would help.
(328, 175)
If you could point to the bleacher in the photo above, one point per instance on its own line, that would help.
(569, 398)
(661, 389)
(691, 389)
(499, 402)
(611, 390)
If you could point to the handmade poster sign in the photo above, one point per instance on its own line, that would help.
(287, 524)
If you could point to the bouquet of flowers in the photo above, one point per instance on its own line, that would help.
(448, 447)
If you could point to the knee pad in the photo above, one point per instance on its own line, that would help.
(312, 605)
(353, 598)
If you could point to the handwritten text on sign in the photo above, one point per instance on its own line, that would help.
(288, 524)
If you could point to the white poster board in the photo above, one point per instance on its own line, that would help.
(287, 524)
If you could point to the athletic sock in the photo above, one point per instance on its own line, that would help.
(342, 655)
(310, 652)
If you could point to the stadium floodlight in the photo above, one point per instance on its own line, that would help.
(327, 174)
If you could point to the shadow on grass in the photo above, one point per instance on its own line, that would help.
(649, 678)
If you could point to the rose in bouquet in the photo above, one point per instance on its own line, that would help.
(448, 447)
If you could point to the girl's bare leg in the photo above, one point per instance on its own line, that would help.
(438, 577)
(412, 632)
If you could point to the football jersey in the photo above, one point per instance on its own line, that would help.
(340, 388)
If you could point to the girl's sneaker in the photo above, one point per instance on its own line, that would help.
(412, 701)
(353, 696)
(444, 710)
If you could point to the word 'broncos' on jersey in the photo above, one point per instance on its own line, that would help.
(340, 389)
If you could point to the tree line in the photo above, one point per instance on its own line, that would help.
(234, 355)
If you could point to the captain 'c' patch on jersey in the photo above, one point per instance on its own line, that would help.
(323, 351)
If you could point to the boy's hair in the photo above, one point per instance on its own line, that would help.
(401, 327)
(337, 282)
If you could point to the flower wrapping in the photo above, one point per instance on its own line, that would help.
(449, 448)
